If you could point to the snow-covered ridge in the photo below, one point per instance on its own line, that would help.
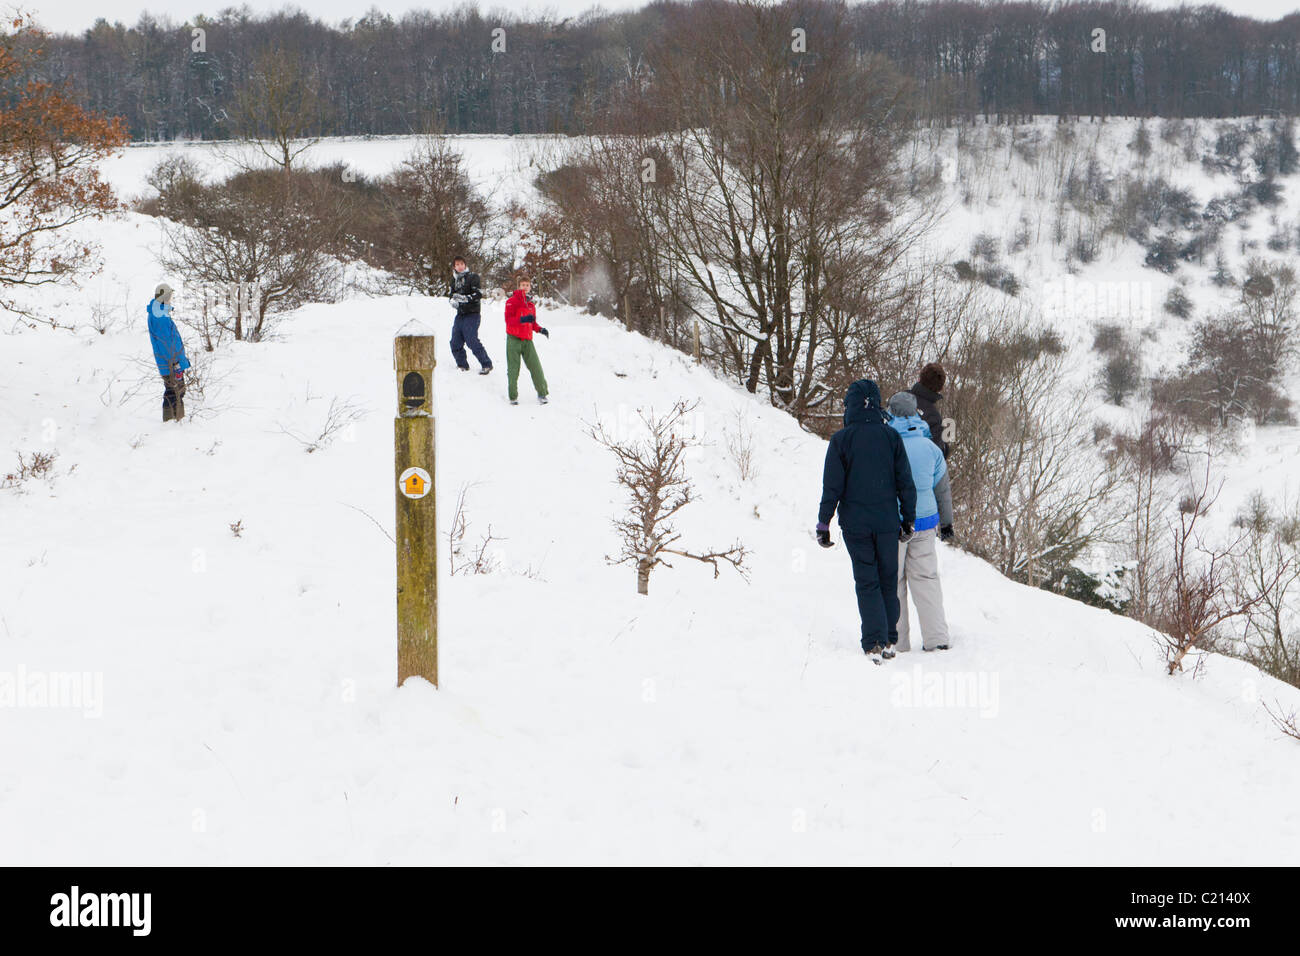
(240, 705)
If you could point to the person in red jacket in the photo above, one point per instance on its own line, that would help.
(521, 323)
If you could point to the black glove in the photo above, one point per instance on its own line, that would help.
(545, 332)
(907, 532)
(946, 533)
(824, 539)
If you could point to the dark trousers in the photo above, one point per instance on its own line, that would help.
(875, 574)
(173, 398)
(464, 331)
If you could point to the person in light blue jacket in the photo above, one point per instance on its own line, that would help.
(918, 559)
(168, 352)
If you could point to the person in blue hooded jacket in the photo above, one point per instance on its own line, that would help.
(867, 478)
(918, 557)
(168, 352)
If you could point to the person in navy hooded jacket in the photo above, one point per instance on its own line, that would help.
(868, 479)
(168, 352)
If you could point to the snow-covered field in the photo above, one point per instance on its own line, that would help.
(238, 699)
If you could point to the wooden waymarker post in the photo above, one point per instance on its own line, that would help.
(417, 510)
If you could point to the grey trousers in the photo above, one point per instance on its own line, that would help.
(918, 567)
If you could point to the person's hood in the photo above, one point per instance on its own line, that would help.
(910, 426)
(158, 310)
(862, 403)
(929, 394)
(518, 294)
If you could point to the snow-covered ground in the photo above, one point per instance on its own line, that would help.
(238, 701)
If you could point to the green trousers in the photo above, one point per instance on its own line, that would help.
(517, 349)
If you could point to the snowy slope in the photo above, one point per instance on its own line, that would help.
(249, 714)
(497, 164)
(1007, 183)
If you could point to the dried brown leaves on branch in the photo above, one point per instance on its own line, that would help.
(50, 148)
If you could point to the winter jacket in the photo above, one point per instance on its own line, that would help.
(167, 345)
(466, 283)
(867, 476)
(927, 401)
(929, 473)
(521, 316)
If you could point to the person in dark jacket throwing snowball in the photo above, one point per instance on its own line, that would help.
(521, 323)
(465, 294)
(168, 353)
(868, 479)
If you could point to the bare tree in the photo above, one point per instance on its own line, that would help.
(1202, 587)
(432, 212)
(1028, 489)
(1270, 297)
(279, 108)
(653, 473)
(1231, 372)
(1145, 462)
(787, 185)
(1269, 571)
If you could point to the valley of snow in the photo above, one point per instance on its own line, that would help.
(242, 701)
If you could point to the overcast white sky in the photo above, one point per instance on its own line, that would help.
(77, 15)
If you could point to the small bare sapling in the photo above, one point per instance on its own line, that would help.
(653, 472)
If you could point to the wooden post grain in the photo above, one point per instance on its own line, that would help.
(417, 512)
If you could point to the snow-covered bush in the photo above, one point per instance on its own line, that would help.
(1162, 254)
(1177, 302)
(1228, 376)
(256, 232)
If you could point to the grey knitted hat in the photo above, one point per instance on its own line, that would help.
(902, 405)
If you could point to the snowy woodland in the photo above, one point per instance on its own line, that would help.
(645, 658)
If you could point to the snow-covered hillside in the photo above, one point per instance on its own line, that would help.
(1043, 202)
(235, 698)
(242, 705)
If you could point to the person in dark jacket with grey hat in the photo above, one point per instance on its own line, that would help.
(927, 391)
(867, 478)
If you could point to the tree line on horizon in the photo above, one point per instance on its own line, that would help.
(425, 71)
